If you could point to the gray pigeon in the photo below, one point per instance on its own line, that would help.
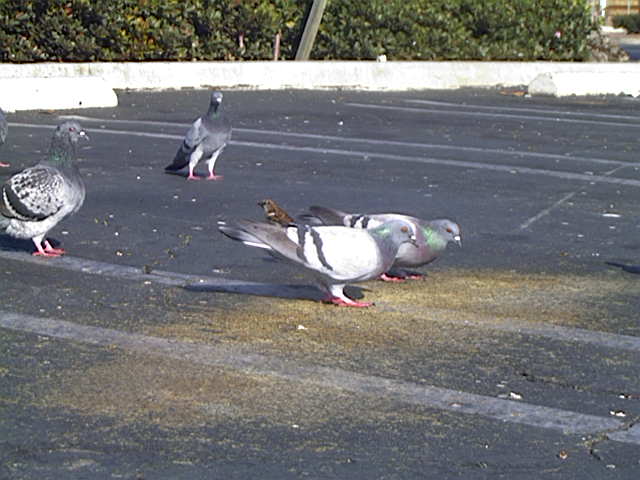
(336, 255)
(4, 128)
(206, 138)
(432, 236)
(36, 199)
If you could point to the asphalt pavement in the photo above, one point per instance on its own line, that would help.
(159, 349)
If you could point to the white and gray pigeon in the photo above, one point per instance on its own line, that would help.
(36, 199)
(432, 236)
(4, 128)
(335, 255)
(206, 139)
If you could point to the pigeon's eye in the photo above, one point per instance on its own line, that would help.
(449, 230)
(404, 229)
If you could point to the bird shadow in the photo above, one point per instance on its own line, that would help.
(15, 244)
(635, 269)
(178, 173)
(286, 291)
(21, 245)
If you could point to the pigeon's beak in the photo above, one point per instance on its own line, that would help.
(458, 240)
(84, 135)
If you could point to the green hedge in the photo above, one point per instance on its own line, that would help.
(131, 30)
(630, 22)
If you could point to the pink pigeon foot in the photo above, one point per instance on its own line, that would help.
(41, 252)
(347, 302)
(193, 177)
(55, 251)
(415, 276)
(392, 278)
(3, 164)
(213, 176)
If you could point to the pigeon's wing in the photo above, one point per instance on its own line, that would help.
(33, 194)
(339, 252)
(328, 216)
(194, 137)
(262, 235)
(217, 134)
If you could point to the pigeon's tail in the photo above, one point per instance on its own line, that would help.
(241, 235)
(180, 161)
(327, 216)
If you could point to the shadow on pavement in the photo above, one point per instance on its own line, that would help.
(627, 268)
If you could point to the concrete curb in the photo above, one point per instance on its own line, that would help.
(301, 75)
(561, 84)
(55, 93)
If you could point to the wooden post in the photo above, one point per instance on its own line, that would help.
(311, 29)
(276, 47)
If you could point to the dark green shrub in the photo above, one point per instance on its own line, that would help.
(630, 22)
(456, 29)
(132, 30)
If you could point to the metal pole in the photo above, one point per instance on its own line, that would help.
(311, 29)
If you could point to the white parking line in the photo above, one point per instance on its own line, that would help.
(565, 421)
(546, 211)
(370, 141)
(219, 284)
(505, 108)
(508, 116)
(359, 154)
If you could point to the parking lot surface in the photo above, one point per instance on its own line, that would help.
(159, 349)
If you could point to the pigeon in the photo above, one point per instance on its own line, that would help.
(36, 199)
(432, 236)
(206, 138)
(275, 213)
(335, 255)
(4, 128)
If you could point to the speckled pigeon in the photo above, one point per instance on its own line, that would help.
(4, 128)
(206, 138)
(432, 236)
(335, 255)
(36, 199)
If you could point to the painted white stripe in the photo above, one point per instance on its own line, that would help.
(546, 211)
(492, 115)
(370, 141)
(211, 284)
(469, 106)
(564, 421)
(358, 154)
(452, 163)
(126, 272)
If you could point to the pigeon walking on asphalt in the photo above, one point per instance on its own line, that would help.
(4, 128)
(432, 237)
(36, 199)
(206, 139)
(275, 213)
(335, 255)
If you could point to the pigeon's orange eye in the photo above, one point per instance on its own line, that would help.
(404, 229)
(449, 230)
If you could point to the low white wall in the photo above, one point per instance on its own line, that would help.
(302, 75)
